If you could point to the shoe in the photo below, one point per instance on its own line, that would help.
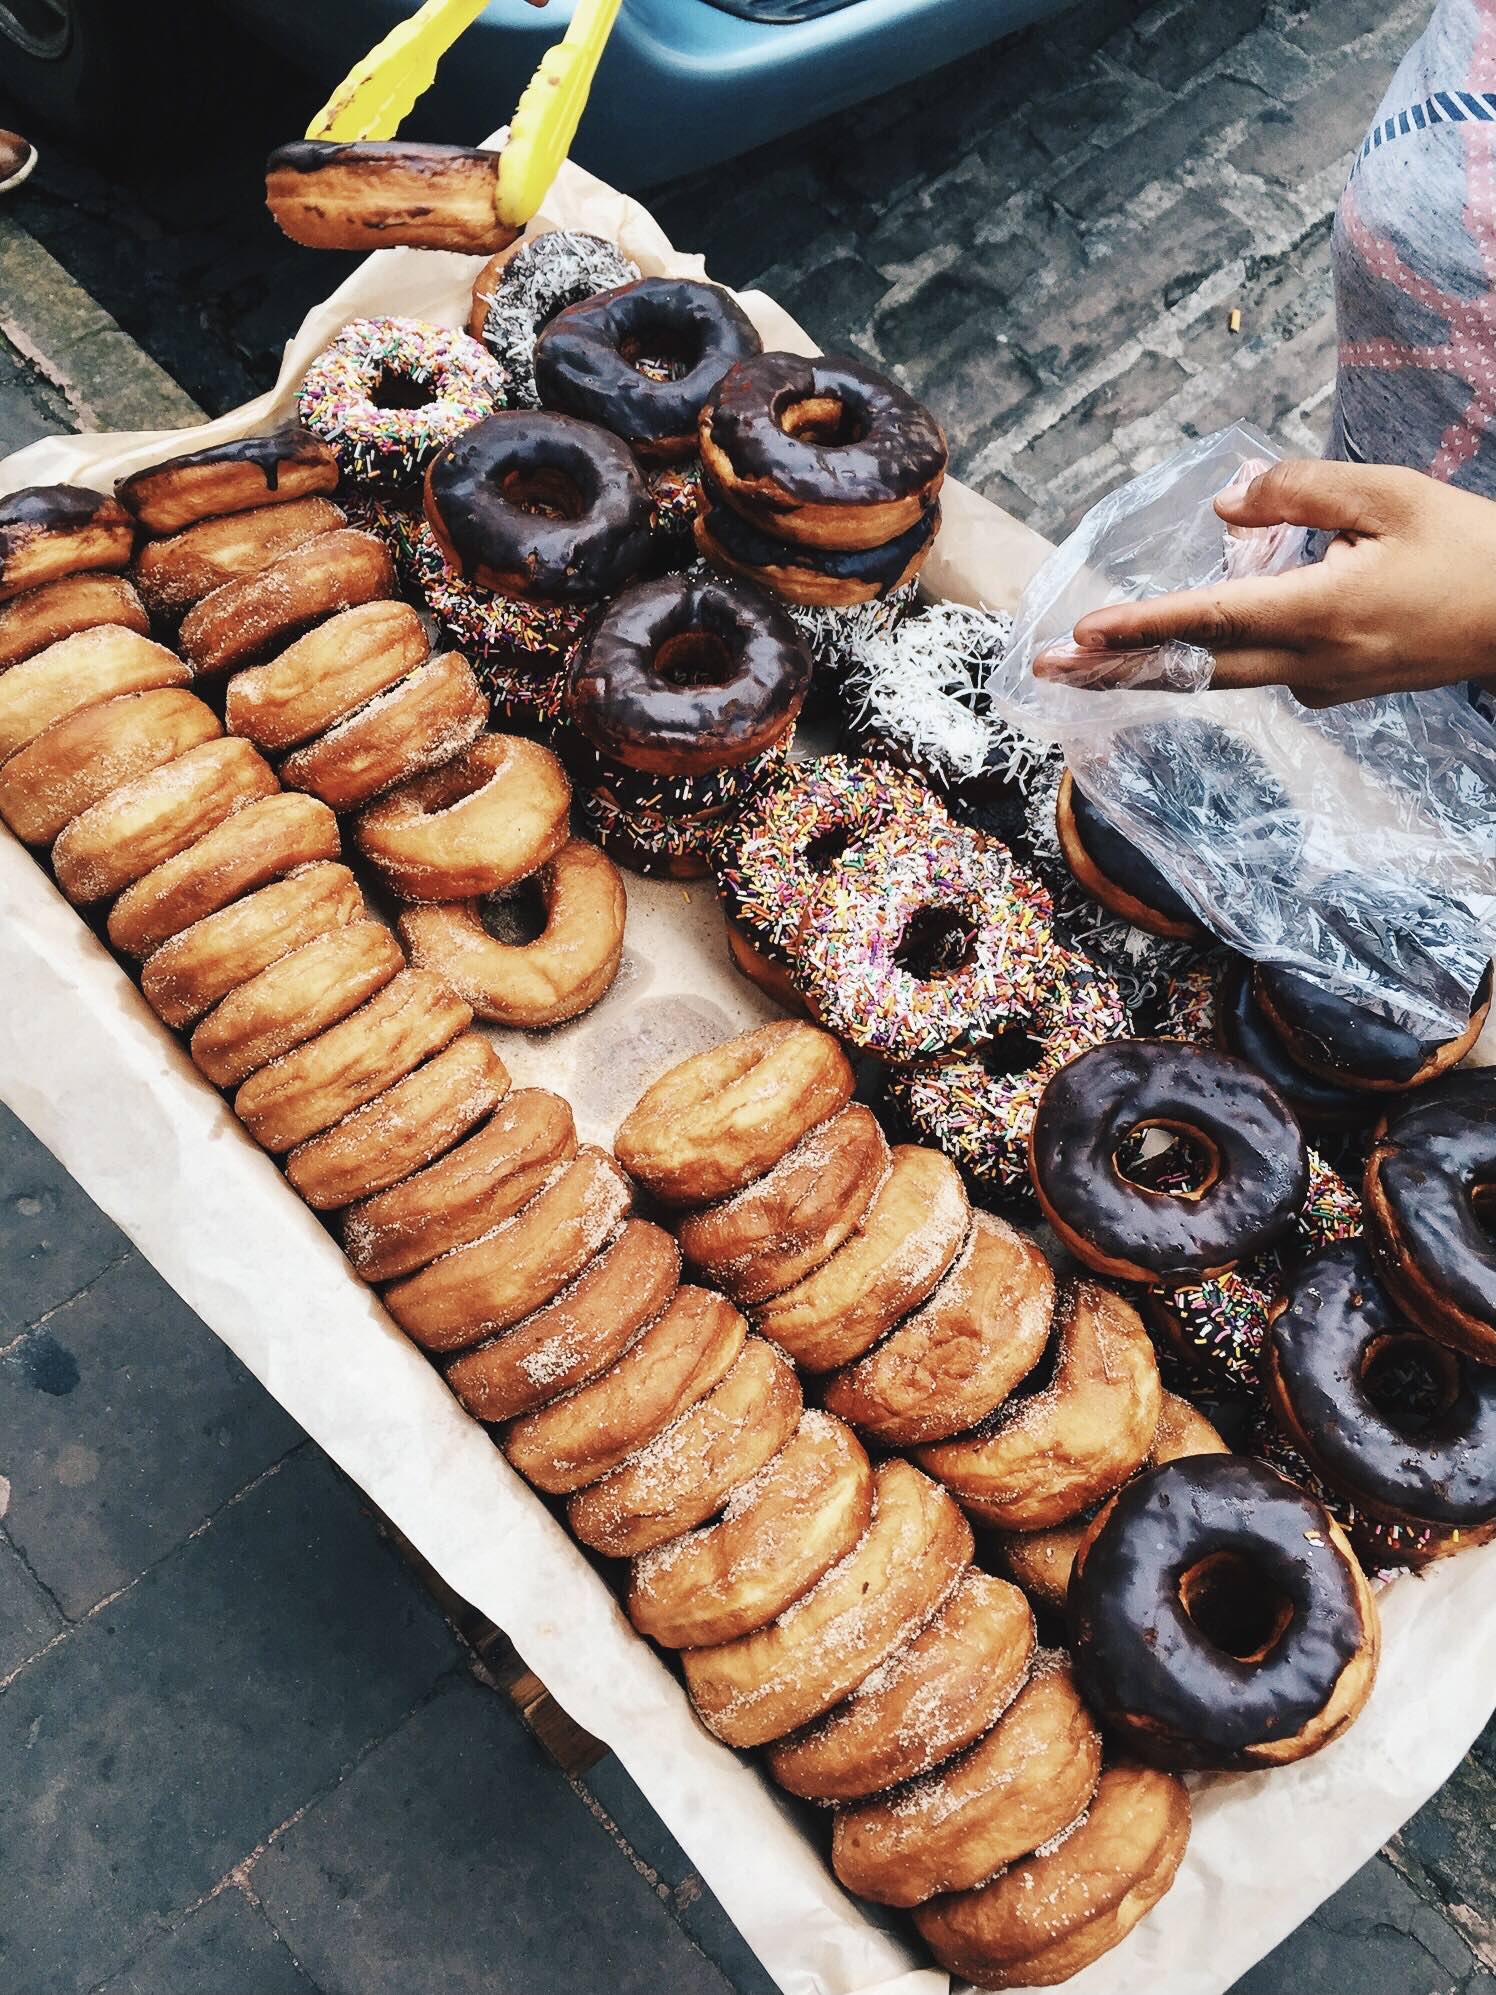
(17, 157)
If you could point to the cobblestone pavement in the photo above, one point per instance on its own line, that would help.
(244, 1753)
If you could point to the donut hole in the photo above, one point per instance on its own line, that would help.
(825, 420)
(394, 389)
(823, 851)
(541, 489)
(1012, 1052)
(659, 353)
(1483, 1205)
(1234, 1605)
(1167, 1159)
(694, 658)
(936, 942)
(1411, 1381)
(517, 916)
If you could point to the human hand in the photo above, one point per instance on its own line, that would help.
(1404, 599)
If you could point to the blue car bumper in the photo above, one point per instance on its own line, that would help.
(684, 83)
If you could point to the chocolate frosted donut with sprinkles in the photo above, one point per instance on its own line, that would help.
(387, 394)
(924, 939)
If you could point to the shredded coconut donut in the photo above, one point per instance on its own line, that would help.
(544, 275)
(837, 634)
(445, 379)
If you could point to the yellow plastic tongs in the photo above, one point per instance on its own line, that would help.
(381, 90)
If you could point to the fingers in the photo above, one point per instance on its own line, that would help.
(1260, 612)
(1309, 491)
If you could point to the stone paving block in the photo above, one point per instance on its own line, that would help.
(1449, 1849)
(53, 1238)
(1289, 142)
(1190, 127)
(124, 1422)
(456, 1857)
(28, 407)
(1172, 45)
(224, 1948)
(156, 1746)
(1374, 1937)
(28, 1619)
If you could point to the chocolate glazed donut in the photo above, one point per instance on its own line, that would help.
(826, 453)
(1256, 1175)
(533, 504)
(1242, 1029)
(1219, 1618)
(588, 360)
(1430, 1191)
(1332, 1330)
(816, 576)
(688, 674)
(1341, 1041)
(1112, 869)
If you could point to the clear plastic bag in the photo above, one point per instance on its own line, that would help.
(1356, 844)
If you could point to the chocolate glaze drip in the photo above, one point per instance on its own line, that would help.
(897, 448)
(1436, 1153)
(1122, 860)
(749, 547)
(1092, 1104)
(413, 156)
(1140, 1656)
(1247, 1034)
(42, 506)
(275, 451)
(632, 711)
(1336, 1313)
(564, 560)
(582, 364)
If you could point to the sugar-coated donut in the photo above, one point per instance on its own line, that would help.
(385, 395)
(929, 1700)
(306, 1091)
(813, 577)
(561, 973)
(1042, 1561)
(73, 603)
(326, 675)
(687, 674)
(577, 1335)
(516, 296)
(202, 963)
(772, 1233)
(421, 720)
(536, 504)
(483, 1181)
(781, 1532)
(903, 1244)
(1044, 1919)
(285, 464)
(51, 531)
(893, 1581)
(175, 573)
(1428, 1206)
(476, 825)
(381, 192)
(724, 1117)
(261, 843)
(93, 665)
(1402, 1425)
(822, 452)
(1220, 1618)
(294, 999)
(1078, 1425)
(642, 359)
(978, 1105)
(950, 1364)
(79, 759)
(687, 1351)
(241, 621)
(402, 1129)
(518, 1264)
(686, 1473)
(873, 958)
(1112, 869)
(1255, 1169)
(152, 818)
(1348, 1043)
(1029, 1777)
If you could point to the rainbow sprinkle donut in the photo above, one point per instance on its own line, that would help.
(978, 1106)
(772, 856)
(922, 940)
(388, 394)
